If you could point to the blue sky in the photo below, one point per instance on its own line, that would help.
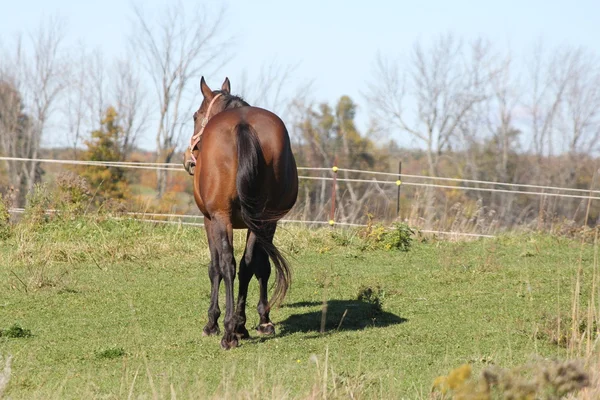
(334, 42)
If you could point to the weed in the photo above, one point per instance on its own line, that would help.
(73, 193)
(399, 237)
(545, 380)
(5, 228)
(38, 203)
(111, 353)
(374, 297)
(342, 237)
(562, 331)
(377, 236)
(15, 331)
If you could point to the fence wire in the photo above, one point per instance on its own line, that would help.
(179, 168)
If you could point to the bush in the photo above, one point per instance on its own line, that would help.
(547, 380)
(5, 228)
(373, 297)
(397, 237)
(38, 204)
(109, 354)
(15, 331)
(73, 193)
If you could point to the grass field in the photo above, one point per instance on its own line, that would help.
(116, 308)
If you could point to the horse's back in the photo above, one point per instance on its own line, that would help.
(218, 164)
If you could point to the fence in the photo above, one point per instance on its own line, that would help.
(376, 178)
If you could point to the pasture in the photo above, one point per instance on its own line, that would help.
(115, 309)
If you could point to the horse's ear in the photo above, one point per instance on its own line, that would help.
(206, 92)
(226, 86)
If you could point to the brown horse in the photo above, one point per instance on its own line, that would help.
(245, 177)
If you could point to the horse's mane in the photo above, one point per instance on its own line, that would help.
(232, 101)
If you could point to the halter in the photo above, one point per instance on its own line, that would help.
(196, 136)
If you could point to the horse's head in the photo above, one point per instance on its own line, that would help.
(210, 106)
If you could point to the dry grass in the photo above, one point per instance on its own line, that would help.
(5, 364)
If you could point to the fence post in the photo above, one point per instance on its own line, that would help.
(398, 183)
(333, 190)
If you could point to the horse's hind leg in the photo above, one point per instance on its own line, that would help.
(245, 275)
(214, 274)
(262, 270)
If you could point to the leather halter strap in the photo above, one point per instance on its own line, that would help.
(196, 137)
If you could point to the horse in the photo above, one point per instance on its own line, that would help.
(245, 177)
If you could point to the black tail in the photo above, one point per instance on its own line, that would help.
(252, 188)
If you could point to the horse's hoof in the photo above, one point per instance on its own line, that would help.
(242, 333)
(211, 331)
(229, 344)
(266, 329)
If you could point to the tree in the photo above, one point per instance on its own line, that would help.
(445, 88)
(39, 78)
(93, 86)
(548, 77)
(270, 88)
(15, 128)
(327, 134)
(447, 83)
(579, 123)
(174, 51)
(107, 182)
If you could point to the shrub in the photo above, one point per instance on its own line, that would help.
(547, 380)
(38, 203)
(397, 237)
(15, 331)
(73, 193)
(372, 296)
(5, 228)
(109, 354)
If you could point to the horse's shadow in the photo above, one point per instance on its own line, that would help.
(338, 315)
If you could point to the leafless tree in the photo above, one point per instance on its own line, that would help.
(436, 99)
(506, 96)
(580, 115)
(548, 77)
(174, 50)
(128, 97)
(271, 88)
(75, 108)
(444, 89)
(14, 128)
(38, 76)
(95, 85)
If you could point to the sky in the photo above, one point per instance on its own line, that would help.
(333, 43)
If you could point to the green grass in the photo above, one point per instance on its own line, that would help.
(116, 309)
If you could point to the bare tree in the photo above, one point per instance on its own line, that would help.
(14, 128)
(270, 89)
(580, 115)
(39, 79)
(128, 97)
(95, 86)
(549, 77)
(174, 51)
(444, 90)
(506, 97)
